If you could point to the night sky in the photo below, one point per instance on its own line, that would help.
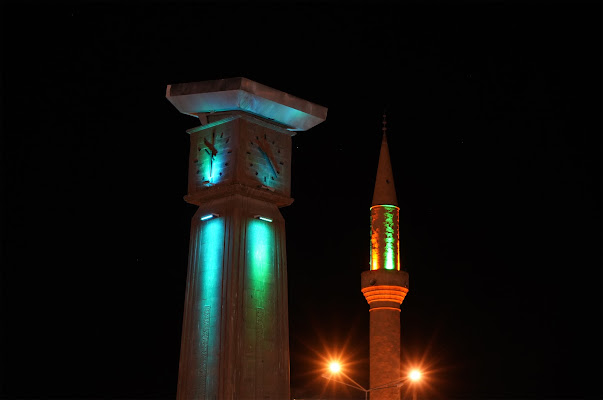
(494, 127)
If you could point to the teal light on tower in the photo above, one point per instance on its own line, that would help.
(235, 335)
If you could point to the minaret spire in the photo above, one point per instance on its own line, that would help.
(385, 191)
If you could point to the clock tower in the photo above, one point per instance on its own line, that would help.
(235, 334)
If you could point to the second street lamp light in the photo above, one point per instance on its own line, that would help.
(335, 369)
(414, 375)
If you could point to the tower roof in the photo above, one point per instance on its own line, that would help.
(385, 191)
(242, 94)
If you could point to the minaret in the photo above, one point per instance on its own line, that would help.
(385, 285)
(235, 333)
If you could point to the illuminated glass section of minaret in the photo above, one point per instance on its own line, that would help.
(385, 243)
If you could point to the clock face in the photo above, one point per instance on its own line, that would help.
(267, 157)
(242, 152)
(210, 155)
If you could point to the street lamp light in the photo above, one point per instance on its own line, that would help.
(335, 368)
(414, 375)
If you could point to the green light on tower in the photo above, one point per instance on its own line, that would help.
(390, 237)
(260, 248)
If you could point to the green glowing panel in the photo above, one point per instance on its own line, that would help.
(260, 264)
(390, 238)
(385, 243)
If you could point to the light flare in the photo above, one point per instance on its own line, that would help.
(335, 367)
(414, 375)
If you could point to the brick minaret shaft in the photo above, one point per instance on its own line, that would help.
(385, 285)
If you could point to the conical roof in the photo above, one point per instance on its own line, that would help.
(385, 191)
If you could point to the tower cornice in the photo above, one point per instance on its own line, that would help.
(206, 97)
(219, 191)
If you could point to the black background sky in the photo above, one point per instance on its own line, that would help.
(494, 130)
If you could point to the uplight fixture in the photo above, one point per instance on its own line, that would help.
(209, 216)
(262, 218)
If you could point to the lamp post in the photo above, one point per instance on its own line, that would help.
(356, 385)
(335, 368)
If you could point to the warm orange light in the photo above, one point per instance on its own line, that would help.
(335, 367)
(395, 294)
(414, 375)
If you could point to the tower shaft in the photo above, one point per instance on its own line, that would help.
(385, 353)
(233, 347)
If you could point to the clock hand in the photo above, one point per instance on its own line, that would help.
(268, 153)
(211, 146)
(214, 151)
